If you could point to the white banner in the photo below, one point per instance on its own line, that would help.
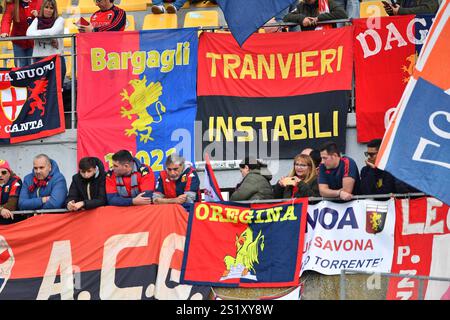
(356, 235)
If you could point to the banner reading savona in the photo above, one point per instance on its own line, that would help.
(137, 91)
(31, 102)
(253, 245)
(280, 92)
(113, 253)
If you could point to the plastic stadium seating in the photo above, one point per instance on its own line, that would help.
(9, 63)
(131, 24)
(201, 18)
(372, 9)
(64, 6)
(132, 5)
(160, 21)
(87, 6)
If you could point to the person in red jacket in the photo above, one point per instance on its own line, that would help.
(20, 14)
(108, 18)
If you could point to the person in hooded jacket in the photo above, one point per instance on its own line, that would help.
(255, 184)
(87, 190)
(45, 187)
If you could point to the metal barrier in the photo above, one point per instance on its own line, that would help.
(342, 281)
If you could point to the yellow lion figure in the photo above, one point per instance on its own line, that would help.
(246, 252)
(142, 97)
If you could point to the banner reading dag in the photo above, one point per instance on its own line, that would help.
(236, 245)
(31, 102)
(275, 90)
(106, 253)
(422, 238)
(386, 50)
(356, 235)
(137, 91)
(416, 145)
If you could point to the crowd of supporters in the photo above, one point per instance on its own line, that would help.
(129, 182)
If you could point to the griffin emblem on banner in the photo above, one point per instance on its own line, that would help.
(37, 96)
(246, 256)
(375, 218)
(410, 67)
(142, 97)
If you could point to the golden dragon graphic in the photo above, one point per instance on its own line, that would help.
(142, 97)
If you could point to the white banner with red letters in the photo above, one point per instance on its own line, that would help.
(422, 248)
(357, 235)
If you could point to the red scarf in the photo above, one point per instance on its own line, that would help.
(38, 183)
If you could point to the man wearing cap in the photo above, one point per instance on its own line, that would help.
(10, 185)
(45, 187)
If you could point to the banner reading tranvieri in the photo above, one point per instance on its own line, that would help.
(278, 88)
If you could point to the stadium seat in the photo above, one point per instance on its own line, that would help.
(69, 27)
(7, 60)
(87, 6)
(131, 24)
(133, 5)
(160, 21)
(64, 6)
(201, 18)
(205, 4)
(372, 9)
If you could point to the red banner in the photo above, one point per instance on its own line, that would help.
(422, 237)
(385, 55)
(275, 65)
(106, 253)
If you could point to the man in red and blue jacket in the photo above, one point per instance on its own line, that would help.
(130, 182)
(10, 185)
(178, 183)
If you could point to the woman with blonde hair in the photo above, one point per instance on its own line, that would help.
(20, 14)
(48, 23)
(301, 181)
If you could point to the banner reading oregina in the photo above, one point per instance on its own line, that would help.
(31, 101)
(137, 91)
(235, 245)
(356, 235)
(386, 49)
(106, 253)
(422, 240)
(275, 89)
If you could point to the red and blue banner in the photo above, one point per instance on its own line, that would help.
(109, 253)
(137, 91)
(237, 245)
(31, 102)
(276, 95)
(386, 49)
(245, 17)
(416, 145)
(212, 189)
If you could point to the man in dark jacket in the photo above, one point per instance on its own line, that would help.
(87, 190)
(45, 187)
(374, 180)
(307, 14)
(404, 7)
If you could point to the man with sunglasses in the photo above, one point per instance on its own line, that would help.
(374, 180)
(178, 183)
(108, 18)
(10, 185)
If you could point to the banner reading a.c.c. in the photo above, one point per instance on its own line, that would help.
(136, 90)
